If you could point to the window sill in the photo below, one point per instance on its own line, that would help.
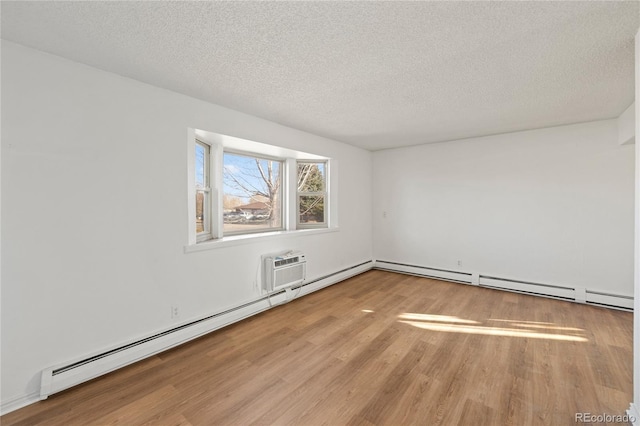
(236, 240)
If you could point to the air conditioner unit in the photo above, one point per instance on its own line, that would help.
(284, 270)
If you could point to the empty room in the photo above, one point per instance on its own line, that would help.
(319, 213)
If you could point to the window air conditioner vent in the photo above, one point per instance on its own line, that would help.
(284, 270)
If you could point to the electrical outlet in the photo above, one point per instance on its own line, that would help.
(459, 262)
(384, 215)
(175, 312)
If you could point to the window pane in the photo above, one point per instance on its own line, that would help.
(311, 177)
(252, 197)
(311, 208)
(200, 200)
(200, 166)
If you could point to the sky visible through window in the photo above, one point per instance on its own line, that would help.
(200, 166)
(243, 179)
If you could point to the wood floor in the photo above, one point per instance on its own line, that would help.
(378, 349)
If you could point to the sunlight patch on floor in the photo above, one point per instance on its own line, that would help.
(451, 324)
(540, 325)
(435, 318)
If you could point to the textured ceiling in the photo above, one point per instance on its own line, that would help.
(372, 74)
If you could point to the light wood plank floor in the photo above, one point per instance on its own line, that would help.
(378, 349)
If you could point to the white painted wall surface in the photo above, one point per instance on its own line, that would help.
(94, 215)
(550, 206)
(627, 125)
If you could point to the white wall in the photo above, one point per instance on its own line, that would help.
(550, 206)
(94, 215)
(627, 125)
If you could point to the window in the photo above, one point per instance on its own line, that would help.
(203, 191)
(312, 194)
(240, 187)
(252, 194)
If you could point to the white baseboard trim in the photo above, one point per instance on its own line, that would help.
(63, 376)
(19, 402)
(634, 415)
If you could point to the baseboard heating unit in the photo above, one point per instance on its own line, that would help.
(537, 289)
(569, 293)
(424, 271)
(61, 377)
(573, 294)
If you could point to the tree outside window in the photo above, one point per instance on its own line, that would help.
(312, 194)
(252, 198)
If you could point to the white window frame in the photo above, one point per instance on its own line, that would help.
(218, 145)
(206, 189)
(324, 194)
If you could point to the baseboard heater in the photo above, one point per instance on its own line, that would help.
(425, 271)
(537, 289)
(573, 294)
(57, 378)
(607, 300)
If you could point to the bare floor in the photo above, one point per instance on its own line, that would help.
(378, 349)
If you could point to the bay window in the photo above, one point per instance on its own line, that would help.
(245, 187)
